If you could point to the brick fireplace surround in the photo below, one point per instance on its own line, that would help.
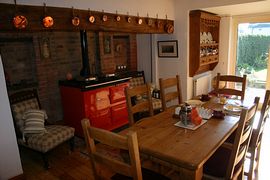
(46, 57)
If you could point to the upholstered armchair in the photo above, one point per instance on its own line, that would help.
(31, 129)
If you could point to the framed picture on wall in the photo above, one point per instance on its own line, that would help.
(106, 41)
(168, 49)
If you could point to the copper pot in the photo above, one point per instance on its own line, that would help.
(169, 28)
(92, 19)
(47, 21)
(104, 18)
(117, 18)
(75, 21)
(158, 24)
(140, 21)
(129, 19)
(20, 22)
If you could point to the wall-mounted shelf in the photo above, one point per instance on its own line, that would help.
(203, 42)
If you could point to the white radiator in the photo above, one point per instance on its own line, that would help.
(202, 84)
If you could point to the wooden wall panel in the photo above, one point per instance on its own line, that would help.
(63, 16)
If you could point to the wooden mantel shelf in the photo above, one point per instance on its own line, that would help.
(63, 20)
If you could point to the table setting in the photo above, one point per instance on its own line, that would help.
(196, 112)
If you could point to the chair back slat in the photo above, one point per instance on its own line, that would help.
(231, 90)
(256, 138)
(167, 94)
(231, 78)
(115, 166)
(241, 154)
(107, 137)
(143, 105)
(171, 95)
(128, 142)
(264, 115)
(140, 107)
(241, 141)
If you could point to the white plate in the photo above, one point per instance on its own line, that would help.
(190, 126)
(232, 108)
(194, 103)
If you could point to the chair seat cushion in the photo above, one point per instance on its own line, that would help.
(54, 135)
(156, 103)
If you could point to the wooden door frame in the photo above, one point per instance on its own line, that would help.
(251, 18)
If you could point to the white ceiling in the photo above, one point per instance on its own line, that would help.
(241, 9)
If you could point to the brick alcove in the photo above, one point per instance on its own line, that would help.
(41, 59)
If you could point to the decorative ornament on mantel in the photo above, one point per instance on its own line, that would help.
(47, 20)
(45, 47)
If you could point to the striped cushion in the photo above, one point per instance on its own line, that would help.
(34, 121)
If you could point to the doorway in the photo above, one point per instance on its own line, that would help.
(252, 57)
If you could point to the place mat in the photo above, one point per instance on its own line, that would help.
(190, 126)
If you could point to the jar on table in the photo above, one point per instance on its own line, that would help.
(185, 114)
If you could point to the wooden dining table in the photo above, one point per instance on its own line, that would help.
(185, 150)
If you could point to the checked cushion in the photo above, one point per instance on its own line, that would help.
(136, 81)
(18, 110)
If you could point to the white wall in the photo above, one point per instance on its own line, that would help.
(10, 164)
(144, 60)
(223, 66)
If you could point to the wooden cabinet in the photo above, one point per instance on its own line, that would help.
(203, 41)
(105, 107)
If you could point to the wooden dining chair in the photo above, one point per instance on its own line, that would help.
(100, 161)
(167, 93)
(231, 90)
(228, 161)
(138, 100)
(256, 138)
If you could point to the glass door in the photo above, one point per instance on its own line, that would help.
(252, 57)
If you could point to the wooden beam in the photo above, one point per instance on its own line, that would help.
(63, 20)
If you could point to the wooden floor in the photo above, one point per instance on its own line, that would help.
(64, 165)
(76, 165)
